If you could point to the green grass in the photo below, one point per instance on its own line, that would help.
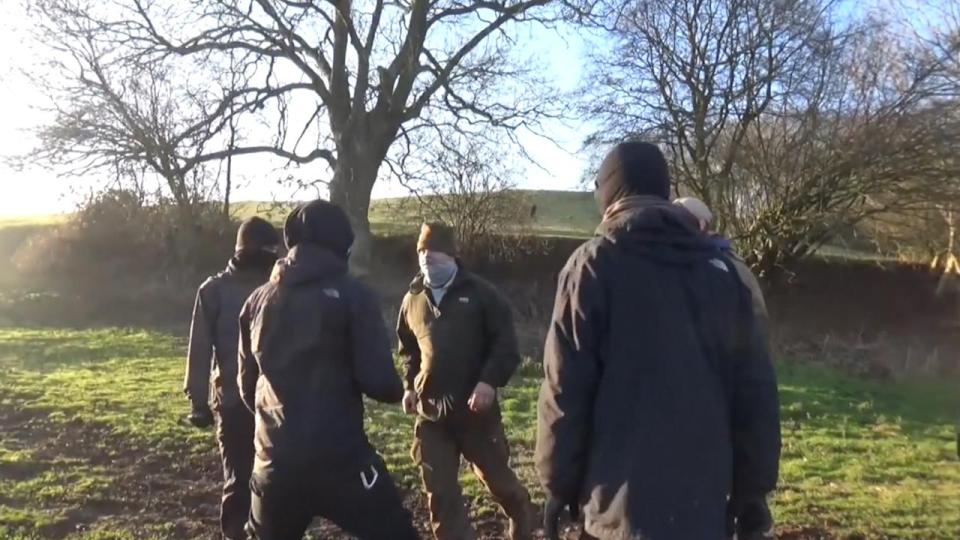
(32, 220)
(861, 459)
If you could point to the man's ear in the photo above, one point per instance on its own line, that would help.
(704, 226)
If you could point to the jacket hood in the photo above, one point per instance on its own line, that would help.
(254, 261)
(307, 263)
(257, 234)
(321, 223)
(658, 229)
(721, 242)
(631, 169)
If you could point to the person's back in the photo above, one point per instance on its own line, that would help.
(307, 325)
(659, 402)
(219, 301)
(213, 339)
(704, 216)
(313, 342)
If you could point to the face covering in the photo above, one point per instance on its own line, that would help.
(438, 268)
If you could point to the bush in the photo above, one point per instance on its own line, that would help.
(118, 254)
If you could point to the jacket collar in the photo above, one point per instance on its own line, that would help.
(657, 228)
(257, 263)
(647, 214)
(630, 205)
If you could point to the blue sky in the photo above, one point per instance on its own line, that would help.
(37, 191)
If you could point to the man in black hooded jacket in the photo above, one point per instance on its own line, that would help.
(312, 343)
(658, 415)
(213, 344)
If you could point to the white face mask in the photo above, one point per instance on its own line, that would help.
(438, 268)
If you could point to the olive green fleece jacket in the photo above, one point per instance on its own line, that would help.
(448, 349)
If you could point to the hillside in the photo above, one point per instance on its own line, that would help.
(558, 213)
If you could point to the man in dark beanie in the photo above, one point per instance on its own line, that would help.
(632, 169)
(458, 346)
(213, 341)
(312, 344)
(658, 415)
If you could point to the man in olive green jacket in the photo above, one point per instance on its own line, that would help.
(459, 345)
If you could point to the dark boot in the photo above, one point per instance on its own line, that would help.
(522, 527)
(235, 438)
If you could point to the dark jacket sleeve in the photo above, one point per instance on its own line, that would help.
(248, 370)
(755, 416)
(373, 367)
(572, 372)
(408, 348)
(196, 383)
(503, 354)
(748, 278)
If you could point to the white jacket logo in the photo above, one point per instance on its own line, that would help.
(717, 263)
(368, 484)
(332, 293)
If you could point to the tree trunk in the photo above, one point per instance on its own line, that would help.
(351, 189)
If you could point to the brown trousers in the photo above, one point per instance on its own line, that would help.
(235, 439)
(480, 439)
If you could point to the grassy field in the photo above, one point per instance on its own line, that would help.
(558, 213)
(93, 446)
(569, 214)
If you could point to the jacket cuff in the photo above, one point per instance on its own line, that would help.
(491, 376)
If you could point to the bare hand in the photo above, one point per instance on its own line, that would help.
(482, 398)
(410, 402)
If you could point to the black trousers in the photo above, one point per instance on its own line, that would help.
(235, 439)
(361, 500)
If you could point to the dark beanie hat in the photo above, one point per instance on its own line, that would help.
(322, 223)
(632, 168)
(256, 234)
(437, 237)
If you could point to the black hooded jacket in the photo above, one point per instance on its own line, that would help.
(659, 400)
(312, 343)
(213, 329)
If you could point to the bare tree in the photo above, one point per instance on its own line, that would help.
(469, 186)
(790, 122)
(696, 74)
(368, 72)
(801, 178)
(132, 115)
(930, 229)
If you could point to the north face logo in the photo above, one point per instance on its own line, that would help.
(717, 263)
(332, 293)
